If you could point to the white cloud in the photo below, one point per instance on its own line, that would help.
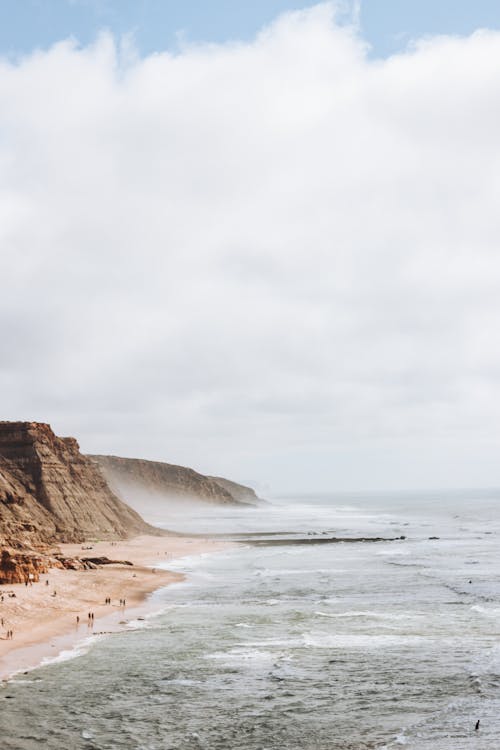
(265, 259)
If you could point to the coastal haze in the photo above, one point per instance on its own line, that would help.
(348, 622)
(249, 317)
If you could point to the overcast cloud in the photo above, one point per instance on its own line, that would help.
(278, 260)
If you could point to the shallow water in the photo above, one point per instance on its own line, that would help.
(385, 645)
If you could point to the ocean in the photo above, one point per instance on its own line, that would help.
(295, 646)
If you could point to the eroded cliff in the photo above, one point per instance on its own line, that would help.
(171, 481)
(239, 492)
(50, 492)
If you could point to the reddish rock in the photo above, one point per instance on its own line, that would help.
(50, 492)
(19, 567)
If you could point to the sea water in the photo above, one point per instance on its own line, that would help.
(314, 646)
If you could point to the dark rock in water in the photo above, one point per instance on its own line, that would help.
(271, 542)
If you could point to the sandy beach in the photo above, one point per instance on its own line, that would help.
(43, 616)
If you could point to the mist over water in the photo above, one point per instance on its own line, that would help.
(364, 645)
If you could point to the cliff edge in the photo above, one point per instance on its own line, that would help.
(240, 492)
(171, 481)
(50, 492)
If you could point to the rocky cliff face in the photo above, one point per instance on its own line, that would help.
(239, 492)
(157, 478)
(168, 480)
(50, 492)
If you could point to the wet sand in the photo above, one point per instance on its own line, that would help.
(43, 617)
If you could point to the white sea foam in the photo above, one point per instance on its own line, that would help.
(277, 572)
(243, 654)
(360, 641)
(273, 643)
(373, 615)
(80, 649)
(396, 552)
(487, 611)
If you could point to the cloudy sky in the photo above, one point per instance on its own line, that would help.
(275, 259)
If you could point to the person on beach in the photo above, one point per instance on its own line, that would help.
(77, 620)
(476, 728)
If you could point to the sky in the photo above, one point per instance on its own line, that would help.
(387, 25)
(260, 241)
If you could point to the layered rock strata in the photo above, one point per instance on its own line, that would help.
(157, 478)
(21, 567)
(50, 492)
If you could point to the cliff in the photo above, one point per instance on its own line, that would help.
(239, 492)
(176, 482)
(50, 492)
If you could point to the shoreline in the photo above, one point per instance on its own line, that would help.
(43, 616)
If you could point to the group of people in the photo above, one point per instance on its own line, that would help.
(10, 633)
(90, 616)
